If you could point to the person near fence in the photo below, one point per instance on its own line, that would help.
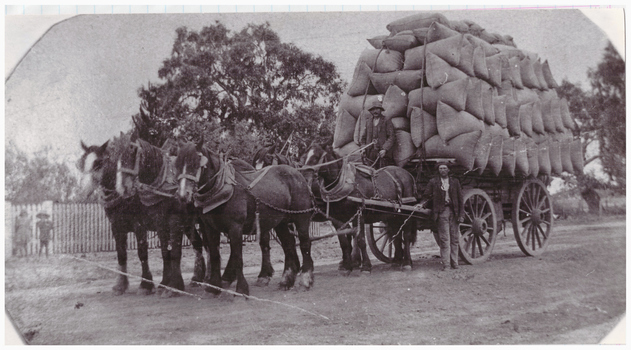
(445, 195)
(383, 138)
(44, 228)
(22, 234)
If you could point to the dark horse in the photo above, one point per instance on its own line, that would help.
(239, 202)
(146, 171)
(390, 183)
(98, 166)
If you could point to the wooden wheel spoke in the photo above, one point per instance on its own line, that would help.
(521, 222)
(486, 216)
(485, 241)
(545, 236)
(480, 248)
(473, 243)
(483, 208)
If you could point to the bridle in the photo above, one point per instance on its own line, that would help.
(203, 163)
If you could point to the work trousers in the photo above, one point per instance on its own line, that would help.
(448, 236)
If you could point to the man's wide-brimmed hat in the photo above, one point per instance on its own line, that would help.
(376, 105)
(42, 214)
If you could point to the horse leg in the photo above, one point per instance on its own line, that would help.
(213, 272)
(346, 265)
(163, 235)
(230, 272)
(366, 265)
(394, 227)
(176, 232)
(146, 285)
(199, 270)
(267, 271)
(407, 242)
(306, 271)
(288, 242)
(236, 250)
(120, 236)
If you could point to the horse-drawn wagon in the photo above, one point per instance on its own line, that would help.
(489, 202)
(455, 91)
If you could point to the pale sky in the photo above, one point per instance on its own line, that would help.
(79, 80)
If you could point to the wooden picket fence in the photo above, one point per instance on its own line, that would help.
(84, 228)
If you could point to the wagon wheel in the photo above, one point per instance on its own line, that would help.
(532, 217)
(380, 242)
(478, 231)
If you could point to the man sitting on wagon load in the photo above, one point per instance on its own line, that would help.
(381, 133)
(445, 194)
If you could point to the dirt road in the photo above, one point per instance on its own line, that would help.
(573, 294)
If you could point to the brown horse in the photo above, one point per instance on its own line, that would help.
(239, 202)
(98, 167)
(147, 172)
(390, 183)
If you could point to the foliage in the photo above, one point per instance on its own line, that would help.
(37, 178)
(600, 114)
(230, 86)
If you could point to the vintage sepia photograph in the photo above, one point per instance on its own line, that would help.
(206, 175)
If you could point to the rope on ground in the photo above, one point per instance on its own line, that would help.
(202, 284)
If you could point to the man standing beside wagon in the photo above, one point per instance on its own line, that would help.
(445, 195)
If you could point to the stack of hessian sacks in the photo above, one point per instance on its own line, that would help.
(481, 100)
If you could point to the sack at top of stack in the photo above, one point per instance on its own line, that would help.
(460, 91)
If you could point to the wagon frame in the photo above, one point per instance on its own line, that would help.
(489, 202)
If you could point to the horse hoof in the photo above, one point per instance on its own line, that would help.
(145, 292)
(195, 284)
(117, 292)
(366, 271)
(406, 268)
(263, 281)
(169, 294)
(306, 280)
(345, 273)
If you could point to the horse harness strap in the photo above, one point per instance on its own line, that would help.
(258, 178)
(396, 183)
(136, 170)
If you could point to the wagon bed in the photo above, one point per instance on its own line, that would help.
(489, 202)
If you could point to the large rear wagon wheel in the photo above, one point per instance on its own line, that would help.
(478, 231)
(532, 217)
(380, 242)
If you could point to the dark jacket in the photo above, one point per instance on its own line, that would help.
(436, 195)
(383, 132)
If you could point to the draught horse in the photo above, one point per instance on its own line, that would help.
(240, 202)
(390, 183)
(147, 172)
(98, 168)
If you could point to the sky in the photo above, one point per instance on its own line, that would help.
(77, 80)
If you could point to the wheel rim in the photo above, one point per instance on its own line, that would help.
(532, 218)
(380, 243)
(478, 230)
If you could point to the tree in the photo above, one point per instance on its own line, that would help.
(36, 179)
(601, 117)
(226, 85)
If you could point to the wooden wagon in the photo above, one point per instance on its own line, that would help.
(489, 203)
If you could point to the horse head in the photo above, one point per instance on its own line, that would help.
(139, 162)
(265, 156)
(128, 168)
(323, 161)
(93, 165)
(191, 165)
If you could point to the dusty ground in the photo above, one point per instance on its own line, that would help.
(573, 294)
